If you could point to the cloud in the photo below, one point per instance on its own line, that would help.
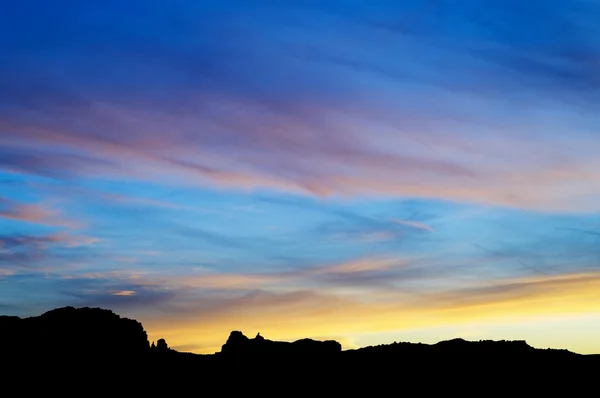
(315, 103)
(123, 293)
(140, 162)
(189, 348)
(360, 265)
(113, 292)
(367, 274)
(308, 115)
(414, 224)
(73, 240)
(5, 272)
(335, 299)
(20, 252)
(61, 238)
(548, 294)
(278, 315)
(351, 226)
(34, 213)
(50, 164)
(470, 296)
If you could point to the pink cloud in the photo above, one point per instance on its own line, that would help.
(69, 240)
(327, 151)
(34, 213)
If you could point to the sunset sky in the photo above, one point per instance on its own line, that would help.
(359, 170)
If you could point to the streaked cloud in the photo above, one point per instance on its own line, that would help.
(124, 293)
(338, 126)
(34, 213)
(512, 301)
(414, 224)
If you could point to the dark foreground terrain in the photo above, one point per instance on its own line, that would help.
(94, 352)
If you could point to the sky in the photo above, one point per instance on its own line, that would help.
(365, 171)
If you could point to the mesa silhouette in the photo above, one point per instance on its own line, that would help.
(88, 345)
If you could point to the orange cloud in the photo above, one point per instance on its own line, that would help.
(124, 293)
(360, 265)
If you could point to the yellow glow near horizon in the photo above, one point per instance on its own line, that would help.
(570, 299)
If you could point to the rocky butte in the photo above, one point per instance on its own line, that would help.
(239, 345)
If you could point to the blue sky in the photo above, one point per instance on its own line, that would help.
(358, 170)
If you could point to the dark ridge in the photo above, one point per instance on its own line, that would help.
(73, 332)
(239, 345)
(81, 351)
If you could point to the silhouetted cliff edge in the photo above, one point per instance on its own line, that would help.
(75, 349)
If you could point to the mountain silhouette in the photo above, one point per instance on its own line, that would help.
(76, 351)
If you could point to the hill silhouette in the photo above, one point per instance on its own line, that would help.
(73, 350)
(74, 332)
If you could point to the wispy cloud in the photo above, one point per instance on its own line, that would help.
(338, 126)
(172, 305)
(61, 238)
(34, 213)
(414, 224)
(38, 253)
